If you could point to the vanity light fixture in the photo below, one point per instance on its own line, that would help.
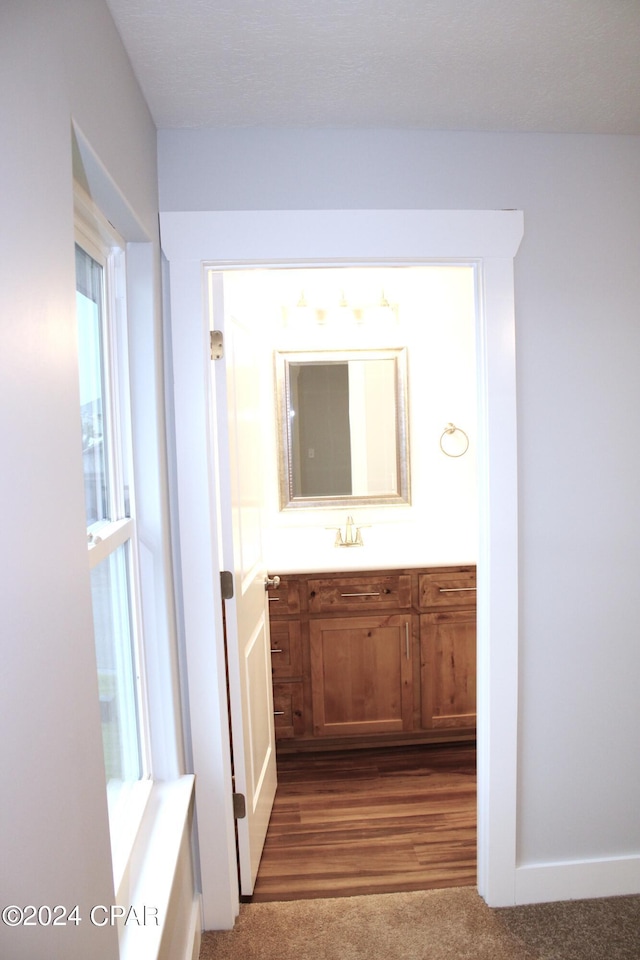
(301, 314)
(341, 314)
(383, 312)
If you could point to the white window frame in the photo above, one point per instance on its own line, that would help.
(127, 800)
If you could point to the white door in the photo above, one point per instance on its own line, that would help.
(238, 414)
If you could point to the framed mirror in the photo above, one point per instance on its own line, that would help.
(342, 428)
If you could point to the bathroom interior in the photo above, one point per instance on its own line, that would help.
(430, 313)
(412, 512)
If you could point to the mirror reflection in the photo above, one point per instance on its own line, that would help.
(343, 428)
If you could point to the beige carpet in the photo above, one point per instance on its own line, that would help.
(606, 929)
(411, 926)
(429, 925)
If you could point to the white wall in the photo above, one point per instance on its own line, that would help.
(434, 319)
(62, 63)
(578, 339)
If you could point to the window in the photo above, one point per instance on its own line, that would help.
(111, 535)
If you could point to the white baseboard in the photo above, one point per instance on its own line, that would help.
(577, 880)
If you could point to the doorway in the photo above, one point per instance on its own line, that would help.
(320, 317)
(489, 239)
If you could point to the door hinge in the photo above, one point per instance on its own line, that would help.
(217, 346)
(239, 806)
(226, 584)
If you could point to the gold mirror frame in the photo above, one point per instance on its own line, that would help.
(283, 360)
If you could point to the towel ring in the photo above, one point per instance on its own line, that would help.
(449, 429)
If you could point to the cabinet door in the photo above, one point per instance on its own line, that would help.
(286, 649)
(448, 669)
(288, 710)
(361, 675)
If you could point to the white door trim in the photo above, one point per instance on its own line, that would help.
(226, 239)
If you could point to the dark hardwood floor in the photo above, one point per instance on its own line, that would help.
(371, 821)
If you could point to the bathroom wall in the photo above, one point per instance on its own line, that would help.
(433, 315)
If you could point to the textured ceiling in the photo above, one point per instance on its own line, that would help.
(534, 65)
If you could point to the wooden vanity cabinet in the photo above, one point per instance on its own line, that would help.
(373, 657)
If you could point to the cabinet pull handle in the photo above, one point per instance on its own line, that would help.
(276, 650)
(406, 640)
(274, 599)
(360, 594)
(278, 713)
(455, 589)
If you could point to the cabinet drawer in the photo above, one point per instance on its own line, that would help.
(285, 599)
(288, 710)
(360, 593)
(286, 648)
(455, 588)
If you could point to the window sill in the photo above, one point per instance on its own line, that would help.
(148, 878)
(127, 805)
